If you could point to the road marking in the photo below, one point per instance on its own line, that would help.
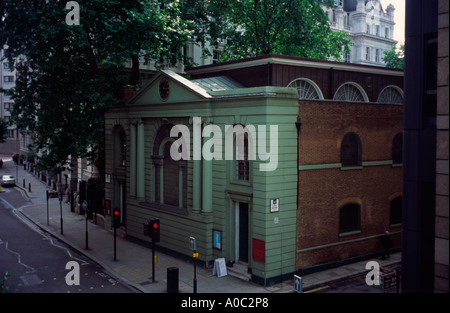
(19, 258)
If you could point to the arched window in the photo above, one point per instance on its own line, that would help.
(306, 89)
(395, 216)
(349, 218)
(351, 150)
(120, 147)
(351, 92)
(170, 176)
(391, 94)
(397, 149)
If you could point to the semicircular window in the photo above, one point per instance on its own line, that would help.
(390, 95)
(306, 89)
(349, 92)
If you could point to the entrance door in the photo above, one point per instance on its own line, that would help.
(241, 237)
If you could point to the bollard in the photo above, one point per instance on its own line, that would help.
(24, 183)
(172, 280)
(29, 187)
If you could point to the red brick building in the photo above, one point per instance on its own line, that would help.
(349, 151)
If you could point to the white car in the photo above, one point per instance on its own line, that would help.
(7, 180)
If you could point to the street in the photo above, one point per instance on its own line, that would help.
(37, 261)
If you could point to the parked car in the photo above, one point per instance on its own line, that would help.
(7, 180)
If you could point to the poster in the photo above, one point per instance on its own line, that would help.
(217, 239)
(220, 267)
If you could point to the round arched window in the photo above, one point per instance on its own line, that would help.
(351, 92)
(391, 94)
(306, 89)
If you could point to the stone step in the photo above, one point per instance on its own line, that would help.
(239, 271)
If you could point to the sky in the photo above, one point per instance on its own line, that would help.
(399, 18)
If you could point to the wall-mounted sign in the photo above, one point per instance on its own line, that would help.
(274, 205)
(217, 239)
(108, 178)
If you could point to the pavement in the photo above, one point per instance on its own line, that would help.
(133, 264)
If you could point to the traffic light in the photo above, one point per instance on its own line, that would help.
(151, 229)
(154, 229)
(116, 217)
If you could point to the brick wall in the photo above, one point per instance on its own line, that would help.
(441, 281)
(323, 190)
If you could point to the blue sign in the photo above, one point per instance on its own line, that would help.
(217, 239)
(298, 284)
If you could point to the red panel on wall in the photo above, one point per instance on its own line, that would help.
(259, 250)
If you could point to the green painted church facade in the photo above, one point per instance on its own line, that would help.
(241, 208)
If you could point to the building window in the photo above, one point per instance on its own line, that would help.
(120, 147)
(216, 56)
(351, 150)
(9, 106)
(349, 218)
(367, 29)
(242, 160)
(8, 79)
(386, 32)
(397, 149)
(306, 89)
(377, 56)
(395, 216)
(391, 94)
(347, 57)
(7, 65)
(367, 54)
(351, 92)
(169, 176)
(377, 30)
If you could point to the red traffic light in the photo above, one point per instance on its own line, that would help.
(154, 229)
(116, 217)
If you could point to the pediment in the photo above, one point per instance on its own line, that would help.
(168, 87)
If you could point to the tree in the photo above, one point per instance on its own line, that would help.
(3, 130)
(69, 75)
(395, 58)
(248, 28)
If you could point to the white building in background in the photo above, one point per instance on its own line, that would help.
(370, 26)
(17, 141)
(7, 81)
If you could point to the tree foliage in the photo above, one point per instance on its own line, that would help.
(247, 28)
(69, 75)
(3, 130)
(395, 58)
